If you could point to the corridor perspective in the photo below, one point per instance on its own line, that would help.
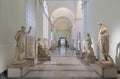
(64, 64)
(59, 39)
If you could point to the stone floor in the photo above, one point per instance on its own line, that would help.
(64, 64)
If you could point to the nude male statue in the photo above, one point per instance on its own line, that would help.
(20, 38)
(103, 41)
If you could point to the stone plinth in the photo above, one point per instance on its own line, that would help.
(32, 61)
(18, 70)
(84, 55)
(106, 71)
(90, 59)
(78, 52)
(47, 58)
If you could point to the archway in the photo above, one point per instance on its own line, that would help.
(62, 24)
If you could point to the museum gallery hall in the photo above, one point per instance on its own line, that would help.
(59, 39)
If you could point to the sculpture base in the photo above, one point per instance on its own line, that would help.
(18, 70)
(84, 55)
(106, 71)
(32, 61)
(44, 58)
(90, 59)
(78, 52)
(106, 62)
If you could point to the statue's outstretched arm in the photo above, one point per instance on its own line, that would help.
(29, 30)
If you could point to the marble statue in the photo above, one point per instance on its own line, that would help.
(42, 52)
(90, 51)
(89, 42)
(20, 38)
(103, 43)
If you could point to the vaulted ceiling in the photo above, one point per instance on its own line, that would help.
(62, 13)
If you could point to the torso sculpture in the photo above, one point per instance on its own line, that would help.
(103, 40)
(19, 37)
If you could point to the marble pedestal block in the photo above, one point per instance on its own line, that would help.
(32, 61)
(84, 55)
(78, 52)
(18, 70)
(90, 59)
(47, 58)
(106, 71)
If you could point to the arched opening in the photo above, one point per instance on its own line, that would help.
(62, 25)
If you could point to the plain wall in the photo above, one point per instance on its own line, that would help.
(12, 17)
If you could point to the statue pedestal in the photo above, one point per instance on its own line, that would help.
(84, 55)
(90, 59)
(78, 52)
(106, 71)
(32, 61)
(47, 58)
(18, 70)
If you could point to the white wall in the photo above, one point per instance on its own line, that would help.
(12, 17)
(107, 12)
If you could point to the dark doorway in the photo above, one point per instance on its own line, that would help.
(62, 42)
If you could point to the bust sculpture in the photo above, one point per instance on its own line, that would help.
(19, 37)
(103, 42)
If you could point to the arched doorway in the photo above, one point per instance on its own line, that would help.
(62, 42)
(62, 25)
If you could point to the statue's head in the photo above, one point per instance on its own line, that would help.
(23, 28)
(88, 34)
(100, 24)
(39, 39)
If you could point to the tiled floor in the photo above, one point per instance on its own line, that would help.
(63, 65)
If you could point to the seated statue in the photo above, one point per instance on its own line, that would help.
(42, 52)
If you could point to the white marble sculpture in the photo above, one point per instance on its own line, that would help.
(103, 43)
(43, 54)
(20, 48)
(90, 56)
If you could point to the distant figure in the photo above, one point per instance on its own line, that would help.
(19, 37)
(103, 41)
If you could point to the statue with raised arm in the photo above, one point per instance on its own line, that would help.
(20, 48)
(103, 41)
